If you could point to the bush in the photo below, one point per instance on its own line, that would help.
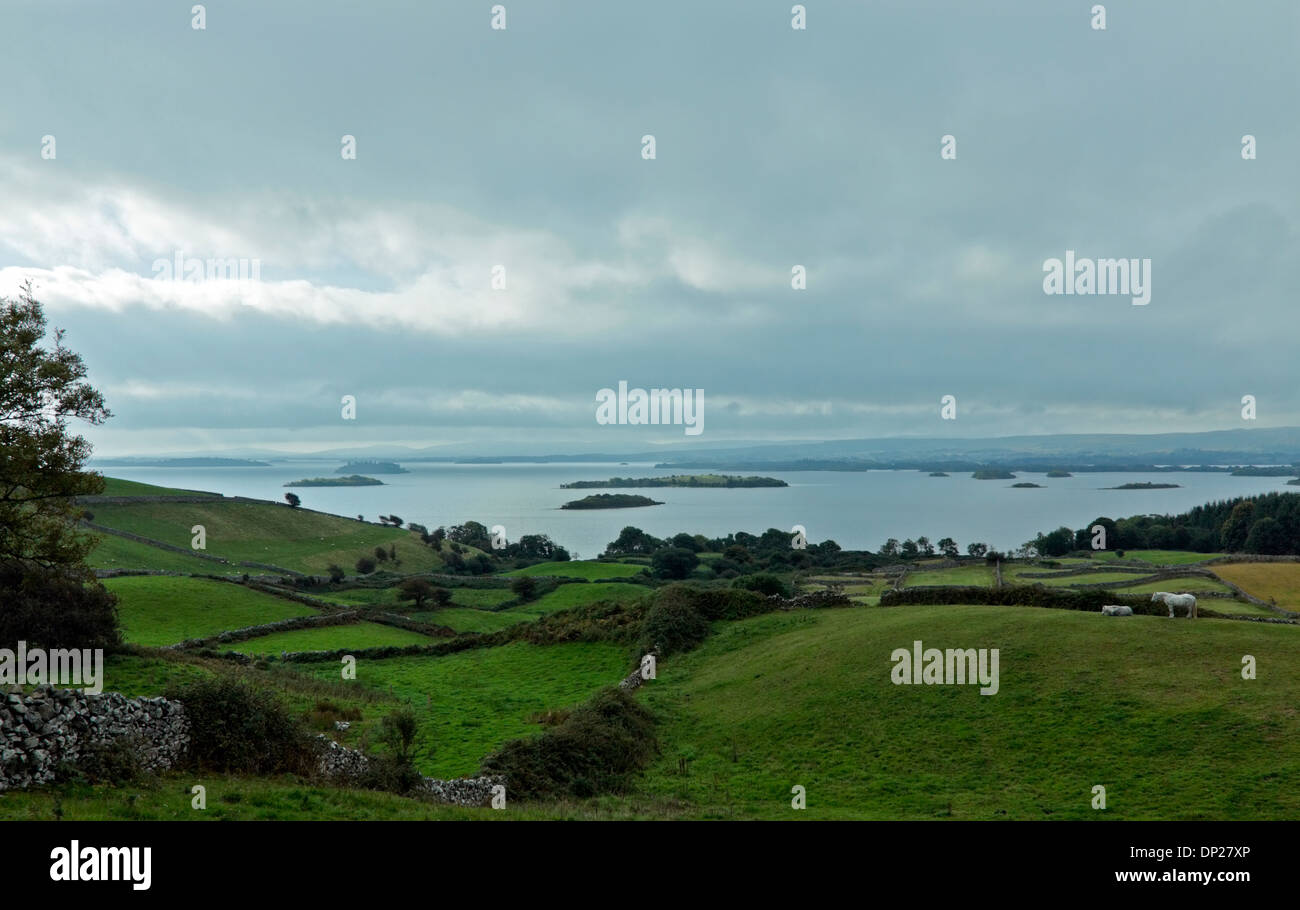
(1024, 596)
(763, 583)
(55, 609)
(596, 749)
(237, 728)
(673, 624)
(674, 562)
(365, 565)
(115, 762)
(524, 588)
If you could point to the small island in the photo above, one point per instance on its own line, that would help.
(1295, 482)
(719, 481)
(611, 501)
(372, 467)
(1057, 472)
(1146, 485)
(352, 480)
(993, 474)
(1027, 486)
(938, 473)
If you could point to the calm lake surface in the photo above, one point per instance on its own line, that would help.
(858, 510)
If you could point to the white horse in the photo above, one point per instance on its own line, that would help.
(1176, 600)
(1116, 610)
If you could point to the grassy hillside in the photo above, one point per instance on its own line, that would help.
(113, 552)
(471, 702)
(163, 610)
(329, 638)
(581, 569)
(116, 486)
(278, 535)
(1154, 711)
(1275, 581)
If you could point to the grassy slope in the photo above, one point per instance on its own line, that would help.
(568, 596)
(113, 552)
(328, 638)
(1156, 712)
(581, 569)
(163, 610)
(470, 703)
(278, 535)
(1277, 581)
(116, 486)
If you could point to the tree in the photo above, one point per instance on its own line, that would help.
(909, 549)
(336, 573)
(1232, 535)
(1267, 537)
(890, 548)
(924, 546)
(381, 554)
(441, 597)
(977, 549)
(673, 562)
(416, 590)
(365, 565)
(293, 500)
(41, 389)
(632, 542)
(47, 594)
(948, 547)
(524, 588)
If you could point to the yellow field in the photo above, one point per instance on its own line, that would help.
(1276, 581)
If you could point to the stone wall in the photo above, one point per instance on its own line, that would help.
(47, 727)
(343, 765)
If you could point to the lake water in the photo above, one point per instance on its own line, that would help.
(858, 510)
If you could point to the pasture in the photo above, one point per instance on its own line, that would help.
(356, 635)
(806, 698)
(163, 610)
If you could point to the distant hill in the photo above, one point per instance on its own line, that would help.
(372, 467)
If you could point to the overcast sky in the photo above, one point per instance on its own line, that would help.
(775, 147)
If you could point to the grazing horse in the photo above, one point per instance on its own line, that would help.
(1176, 600)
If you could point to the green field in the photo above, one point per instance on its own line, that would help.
(273, 534)
(113, 552)
(567, 596)
(967, 576)
(356, 635)
(467, 619)
(1275, 581)
(471, 702)
(116, 486)
(164, 609)
(1141, 706)
(1161, 557)
(581, 569)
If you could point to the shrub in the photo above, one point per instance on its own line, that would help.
(114, 762)
(524, 588)
(674, 622)
(365, 565)
(237, 728)
(596, 749)
(55, 609)
(763, 583)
